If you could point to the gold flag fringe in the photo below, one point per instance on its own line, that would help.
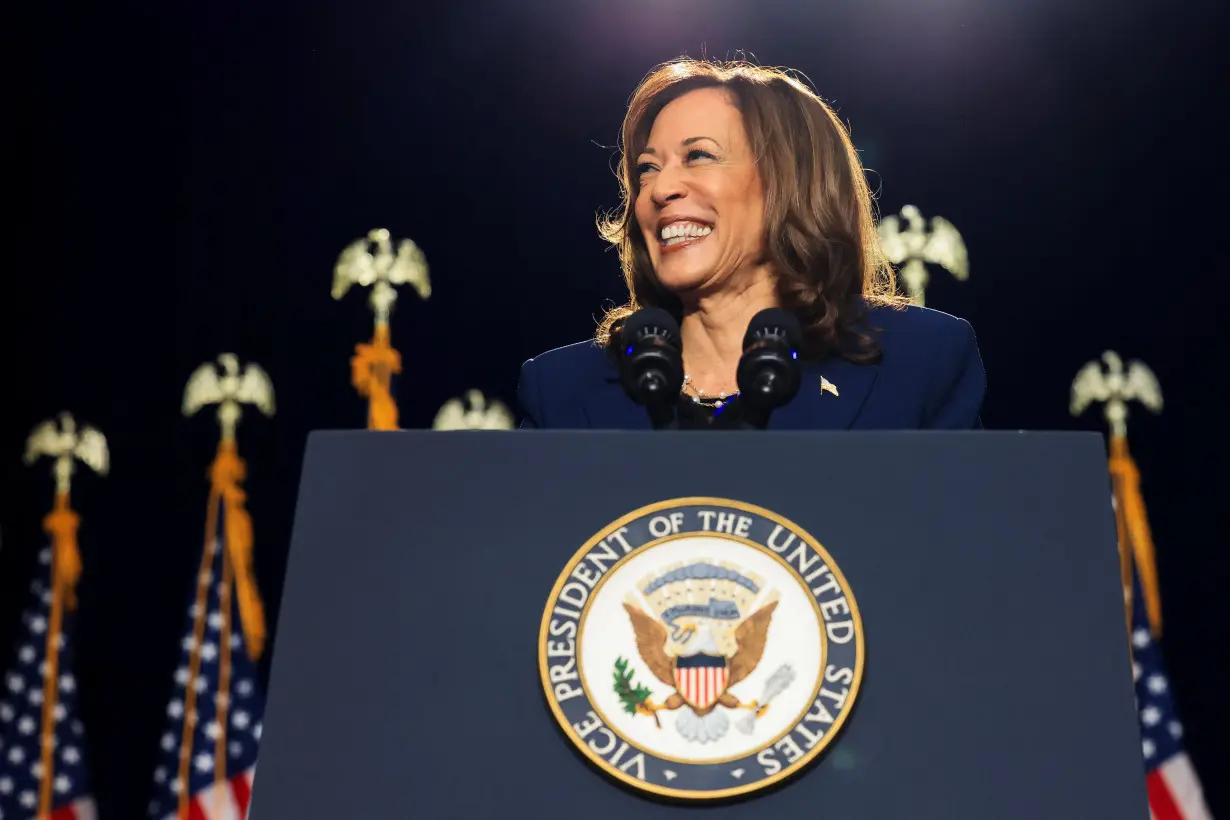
(1135, 536)
(371, 371)
(226, 496)
(61, 524)
(226, 473)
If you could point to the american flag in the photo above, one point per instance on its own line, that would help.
(21, 716)
(1174, 790)
(234, 717)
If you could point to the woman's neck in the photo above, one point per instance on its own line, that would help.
(713, 328)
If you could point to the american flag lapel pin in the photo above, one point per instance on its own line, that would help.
(827, 386)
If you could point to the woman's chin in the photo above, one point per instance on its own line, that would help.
(679, 277)
(682, 284)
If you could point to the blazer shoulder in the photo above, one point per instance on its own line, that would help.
(548, 380)
(939, 352)
(570, 361)
(917, 324)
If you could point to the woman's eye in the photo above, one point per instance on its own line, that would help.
(643, 168)
(696, 153)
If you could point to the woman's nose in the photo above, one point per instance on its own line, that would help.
(668, 185)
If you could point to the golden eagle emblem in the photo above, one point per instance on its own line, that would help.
(699, 646)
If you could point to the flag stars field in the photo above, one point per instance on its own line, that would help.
(23, 769)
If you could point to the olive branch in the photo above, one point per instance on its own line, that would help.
(632, 695)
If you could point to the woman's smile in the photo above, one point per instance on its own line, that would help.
(681, 234)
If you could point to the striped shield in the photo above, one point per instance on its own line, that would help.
(701, 679)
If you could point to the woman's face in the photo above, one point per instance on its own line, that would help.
(700, 205)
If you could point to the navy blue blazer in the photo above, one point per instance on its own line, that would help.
(930, 377)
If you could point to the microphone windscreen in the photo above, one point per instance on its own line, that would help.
(654, 318)
(775, 321)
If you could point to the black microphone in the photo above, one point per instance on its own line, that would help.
(769, 373)
(651, 363)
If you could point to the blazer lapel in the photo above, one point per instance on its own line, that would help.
(830, 397)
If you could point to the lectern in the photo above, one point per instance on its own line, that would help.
(609, 625)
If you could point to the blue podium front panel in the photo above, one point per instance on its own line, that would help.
(561, 625)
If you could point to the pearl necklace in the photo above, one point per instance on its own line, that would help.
(701, 396)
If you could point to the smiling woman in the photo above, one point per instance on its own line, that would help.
(742, 191)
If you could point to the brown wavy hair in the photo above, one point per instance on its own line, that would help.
(821, 238)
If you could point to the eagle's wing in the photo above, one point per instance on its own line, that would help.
(43, 441)
(410, 266)
(891, 240)
(1143, 386)
(92, 449)
(256, 388)
(202, 389)
(452, 416)
(750, 636)
(497, 416)
(945, 247)
(1088, 386)
(651, 643)
(354, 267)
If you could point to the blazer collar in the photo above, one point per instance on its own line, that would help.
(830, 397)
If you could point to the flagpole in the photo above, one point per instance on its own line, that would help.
(376, 362)
(1136, 538)
(204, 579)
(1121, 533)
(1173, 786)
(224, 683)
(1113, 387)
(61, 524)
(65, 444)
(229, 390)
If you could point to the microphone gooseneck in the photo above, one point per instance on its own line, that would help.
(651, 363)
(769, 373)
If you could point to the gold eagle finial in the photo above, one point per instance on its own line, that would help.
(917, 247)
(371, 262)
(474, 412)
(229, 389)
(62, 440)
(1115, 387)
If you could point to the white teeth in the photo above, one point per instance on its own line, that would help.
(684, 230)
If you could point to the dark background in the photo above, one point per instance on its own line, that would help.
(184, 176)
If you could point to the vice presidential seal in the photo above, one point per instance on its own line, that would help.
(701, 648)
